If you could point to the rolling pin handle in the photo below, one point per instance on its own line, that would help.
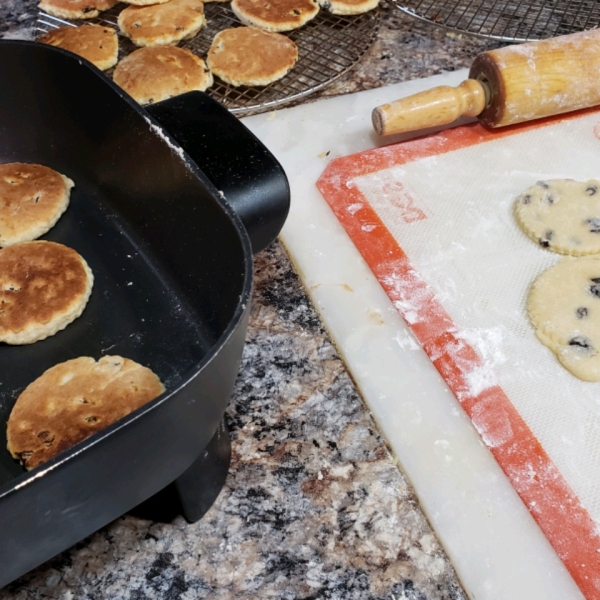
(439, 106)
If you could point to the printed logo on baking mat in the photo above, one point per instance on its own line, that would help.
(393, 196)
(377, 197)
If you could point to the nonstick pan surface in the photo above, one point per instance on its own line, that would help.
(172, 266)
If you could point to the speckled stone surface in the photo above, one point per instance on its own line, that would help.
(405, 49)
(314, 506)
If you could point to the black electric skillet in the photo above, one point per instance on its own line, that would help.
(169, 236)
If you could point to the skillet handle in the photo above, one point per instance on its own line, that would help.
(234, 160)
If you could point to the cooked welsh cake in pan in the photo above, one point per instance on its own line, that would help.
(73, 400)
(275, 15)
(162, 24)
(76, 9)
(155, 74)
(348, 7)
(95, 43)
(32, 199)
(44, 286)
(249, 56)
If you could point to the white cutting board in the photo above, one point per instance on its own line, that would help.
(494, 544)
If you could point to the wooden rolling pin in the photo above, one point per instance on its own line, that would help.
(506, 86)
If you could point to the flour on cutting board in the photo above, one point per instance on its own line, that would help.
(452, 214)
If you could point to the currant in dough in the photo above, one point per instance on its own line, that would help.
(562, 215)
(564, 308)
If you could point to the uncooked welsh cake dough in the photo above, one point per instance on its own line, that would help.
(564, 308)
(562, 215)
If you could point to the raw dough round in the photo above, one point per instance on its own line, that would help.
(564, 308)
(562, 215)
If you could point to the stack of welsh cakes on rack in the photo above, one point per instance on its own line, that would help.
(255, 53)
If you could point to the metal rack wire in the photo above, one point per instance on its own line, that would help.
(507, 20)
(328, 46)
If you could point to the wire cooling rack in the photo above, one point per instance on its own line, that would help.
(507, 20)
(328, 46)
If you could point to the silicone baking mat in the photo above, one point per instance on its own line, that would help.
(433, 219)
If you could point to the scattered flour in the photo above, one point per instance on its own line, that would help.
(178, 150)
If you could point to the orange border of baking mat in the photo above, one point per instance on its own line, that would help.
(550, 500)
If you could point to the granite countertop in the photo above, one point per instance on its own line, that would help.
(314, 505)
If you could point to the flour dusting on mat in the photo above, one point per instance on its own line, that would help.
(408, 303)
(472, 259)
(353, 208)
(493, 424)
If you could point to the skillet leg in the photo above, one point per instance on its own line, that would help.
(193, 492)
(199, 486)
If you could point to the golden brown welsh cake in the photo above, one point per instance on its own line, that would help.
(144, 2)
(275, 15)
(73, 400)
(249, 56)
(76, 9)
(155, 74)
(44, 286)
(162, 24)
(95, 43)
(32, 199)
(348, 7)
